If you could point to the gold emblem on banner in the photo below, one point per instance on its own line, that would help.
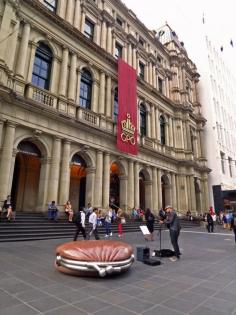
(128, 130)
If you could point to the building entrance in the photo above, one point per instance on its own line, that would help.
(26, 177)
(77, 182)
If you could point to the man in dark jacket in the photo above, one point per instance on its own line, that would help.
(79, 220)
(172, 221)
(210, 222)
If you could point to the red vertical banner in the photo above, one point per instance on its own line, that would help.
(127, 114)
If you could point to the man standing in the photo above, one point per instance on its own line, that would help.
(210, 222)
(93, 224)
(79, 221)
(172, 221)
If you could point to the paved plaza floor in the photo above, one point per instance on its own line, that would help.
(202, 282)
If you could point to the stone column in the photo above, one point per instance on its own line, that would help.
(157, 114)
(5, 27)
(22, 53)
(97, 33)
(90, 181)
(131, 184)
(54, 75)
(69, 11)
(12, 42)
(109, 39)
(173, 185)
(77, 14)
(43, 183)
(124, 56)
(167, 132)
(146, 75)
(106, 180)
(61, 10)
(6, 159)
(65, 173)
(130, 54)
(136, 185)
(104, 35)
(72, 79)
(153, 130)
(113, 44)
(31, 63)
(159, 188)
(63, 72)
(154, 191)
(1, 131)
(78, 87)
(123, 191)
(98, 187)
(53, 181)
(82, 20)
(154, 77)
(108, 97)
(95, 97)
(192, 194)
(171, 143)
(134, 58)
(148, 123)
(150, 73)
(206, 195)
(102, 94)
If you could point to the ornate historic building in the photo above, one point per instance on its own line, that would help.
(59, 106)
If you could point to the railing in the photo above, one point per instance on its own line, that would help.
(91, 118)
(41, 96)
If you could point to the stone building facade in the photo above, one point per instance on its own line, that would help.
(59, 105)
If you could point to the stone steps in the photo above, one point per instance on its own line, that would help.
(30, 226)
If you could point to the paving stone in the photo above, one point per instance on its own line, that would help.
(66, 310)
(137, 305)
(21, 309)
(46, 304)
(92, 305)
(7, 300)
(162, 310)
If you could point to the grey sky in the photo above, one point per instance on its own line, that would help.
(185, 16)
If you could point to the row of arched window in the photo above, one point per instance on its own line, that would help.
(41, 78)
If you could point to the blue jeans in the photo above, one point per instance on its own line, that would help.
(108, 227)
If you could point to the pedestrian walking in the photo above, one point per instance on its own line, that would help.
(150, 219)
(120, 220)
(108, 219)
(93, 224)
(172, 221)
(79, 220)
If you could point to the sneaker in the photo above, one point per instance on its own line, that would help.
(173, 259)
(119, 235)
(106, 235)
(110, 234)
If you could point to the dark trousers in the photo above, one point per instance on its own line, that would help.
(210, 227)
(108, 227)
(235, 234)
(80, 228)
(174, 235)
(93, 231)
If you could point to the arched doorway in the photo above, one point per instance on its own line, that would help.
(77, 182)
(114, 198)
(198, 196)
(142, 203)
(165, 189)
(26, 177)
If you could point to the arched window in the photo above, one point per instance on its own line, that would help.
(86, 89)
(51, 4)
(42, 66)
(116, 105)
(143, 126)
(162, 130)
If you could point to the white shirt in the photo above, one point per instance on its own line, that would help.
(93, 220)
(82, 218)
